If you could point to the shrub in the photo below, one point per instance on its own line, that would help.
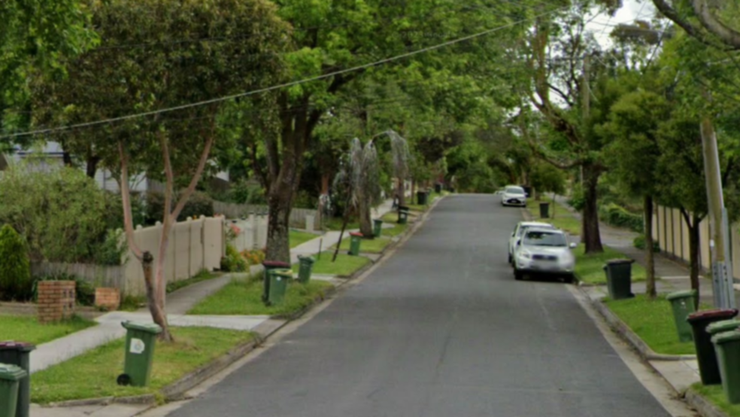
(111, 251)
(233, 261)
(15, 267)
(198, 204)
(60, 213)
(639, 243)
(619, 217)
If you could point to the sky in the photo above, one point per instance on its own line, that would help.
(628, 13)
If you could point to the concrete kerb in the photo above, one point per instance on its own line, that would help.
(176, 391)
(630, 336)
(701, 405)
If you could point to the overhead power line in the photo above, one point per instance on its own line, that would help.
(284, 85)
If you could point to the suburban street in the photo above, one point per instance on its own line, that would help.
(440, 329)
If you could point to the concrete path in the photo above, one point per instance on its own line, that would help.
(440, 329)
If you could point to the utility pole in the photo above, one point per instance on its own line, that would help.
(722, 281)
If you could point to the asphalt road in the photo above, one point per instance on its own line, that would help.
(440, 329)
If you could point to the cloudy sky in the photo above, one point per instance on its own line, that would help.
(630, 11)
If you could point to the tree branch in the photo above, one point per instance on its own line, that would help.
(562, 94)
(169, 178)
(128, 222)
(196, 176)
(728, 36)
(692, 30)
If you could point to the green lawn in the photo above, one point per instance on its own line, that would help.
(590, 268)
(245, 298)
(716, 395)
(368, 245)
(28, 329)
(345, 265)
(298, 237)
(93, 374)
(199, 277)
(335, 223)
(396, 230)
(653, 322)
(563, 219)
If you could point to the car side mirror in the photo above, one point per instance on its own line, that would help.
(518, 242)
(573, 245)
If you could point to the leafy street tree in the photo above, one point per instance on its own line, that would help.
(34, 37)
(348, 35)
(633, 156)
(717, 20)
(157, 54)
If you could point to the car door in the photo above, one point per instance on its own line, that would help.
(512, 238)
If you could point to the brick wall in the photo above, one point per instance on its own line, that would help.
(107, 298)
(56, 300)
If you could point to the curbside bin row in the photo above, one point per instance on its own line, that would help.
(704, 325)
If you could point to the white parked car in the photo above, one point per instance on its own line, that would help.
(514, 196)
(544, 252)
(516, 235)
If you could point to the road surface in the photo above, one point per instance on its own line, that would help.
(440, 329)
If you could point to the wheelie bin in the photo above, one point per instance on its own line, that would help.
(140, 341)
(305, 268)
(403, 214)
(268, 265)
(278, 285)
(619, 278)
(727, 345)
(354, 244)
(705, 353)
(10, 377)
(544, 210)
(682, 304)
(377, 227)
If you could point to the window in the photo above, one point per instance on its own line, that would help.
(515, 190)
(542, 238)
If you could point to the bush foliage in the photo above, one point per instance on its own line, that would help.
(15, 269)
(199, 204)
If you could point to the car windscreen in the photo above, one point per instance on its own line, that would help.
(543, 238)
(515, 190)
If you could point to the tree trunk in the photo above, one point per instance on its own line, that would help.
(366, 222)
(401, 190)
(158, 315)
(694, 241)
(92, 166)
(279, 203)
(590, 218)
(325, 177)
(649, 255)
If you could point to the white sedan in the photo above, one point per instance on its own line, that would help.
(514, 196)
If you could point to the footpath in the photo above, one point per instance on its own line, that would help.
(679, 371)
(178, 304)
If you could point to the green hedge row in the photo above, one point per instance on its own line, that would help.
(615, 215)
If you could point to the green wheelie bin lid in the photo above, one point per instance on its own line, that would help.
(283, 273)
(723, 326)
(11, 372)
(726, 337)
(680, 294)
(152, 328)
(306, 259)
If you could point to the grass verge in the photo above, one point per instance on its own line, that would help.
(653, 322)
(93, 374)
(245, 298)
(590, 268)
(560, 217)
(28, 329)
(716, 395)
(368, 245)
(345, 265)
(199, 277)
(335, 223)
(297, 237)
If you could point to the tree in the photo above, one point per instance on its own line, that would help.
(157, 54)
(35, 35)
(330, 36)
(634, 155)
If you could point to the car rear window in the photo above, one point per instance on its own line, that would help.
(544, 238)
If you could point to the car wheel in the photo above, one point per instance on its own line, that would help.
(510, 260)
(568, 279)
(518, 274)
